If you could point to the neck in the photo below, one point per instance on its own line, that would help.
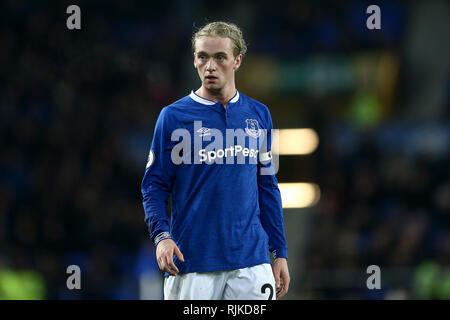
(223, 96)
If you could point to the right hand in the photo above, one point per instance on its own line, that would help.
(164, 255)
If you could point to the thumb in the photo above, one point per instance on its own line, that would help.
(179, 254)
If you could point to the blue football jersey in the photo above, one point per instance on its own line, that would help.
(225, 214)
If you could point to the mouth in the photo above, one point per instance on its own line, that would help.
(211, 78)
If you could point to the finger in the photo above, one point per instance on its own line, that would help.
(286, 280)
(169, 261)
(173, 266)
(280, 289)
(160, 265)
(279, 285)
(179, 254)
(284, 287)
(169, 271)
(281, 293)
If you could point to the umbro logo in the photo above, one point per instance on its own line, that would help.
(204, 132)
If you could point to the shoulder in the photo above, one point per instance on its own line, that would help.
(178, 106)
(257, 107)
(175, 111)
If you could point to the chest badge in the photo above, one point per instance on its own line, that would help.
(252, 128)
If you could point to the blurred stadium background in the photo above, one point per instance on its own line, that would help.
(78, 110)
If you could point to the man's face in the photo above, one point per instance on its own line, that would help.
(215, 62)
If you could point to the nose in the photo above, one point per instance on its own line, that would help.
(210, 66)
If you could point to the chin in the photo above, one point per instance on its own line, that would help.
(213, 86)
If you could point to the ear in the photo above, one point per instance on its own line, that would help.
(237, 62)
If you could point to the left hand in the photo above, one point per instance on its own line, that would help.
(281, 274)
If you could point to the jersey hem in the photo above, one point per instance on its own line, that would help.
(222, 267)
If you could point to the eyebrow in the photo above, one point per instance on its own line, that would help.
(215, 54)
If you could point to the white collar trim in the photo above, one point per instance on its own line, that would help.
(201, 100)
(235, 98)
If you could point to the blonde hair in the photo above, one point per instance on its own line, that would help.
(224, 30)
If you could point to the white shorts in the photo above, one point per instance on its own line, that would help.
(253, 283)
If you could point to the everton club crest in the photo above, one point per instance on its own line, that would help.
(252, 128)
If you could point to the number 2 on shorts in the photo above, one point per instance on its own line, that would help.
(264, 289)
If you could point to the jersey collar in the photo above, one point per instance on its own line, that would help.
(208, 102)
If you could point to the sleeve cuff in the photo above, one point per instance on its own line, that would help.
(280, 253)
(161, 236)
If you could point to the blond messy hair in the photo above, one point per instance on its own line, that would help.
(224, 30)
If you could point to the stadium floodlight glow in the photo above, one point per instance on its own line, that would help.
(299, 194)
(295, 141)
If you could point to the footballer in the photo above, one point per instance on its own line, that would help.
(226, 214)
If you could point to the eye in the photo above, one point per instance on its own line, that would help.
(220, 58)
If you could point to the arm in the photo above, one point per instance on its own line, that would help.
(156, 189)
(271, 214)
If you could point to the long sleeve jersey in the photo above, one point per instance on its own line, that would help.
(216, 165)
